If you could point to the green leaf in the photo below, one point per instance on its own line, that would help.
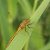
(35, 5)
(36, 37)
(12, 9)
(36, 16)
(19, 41)
(21, 38)
(4, 21)
(26, 7)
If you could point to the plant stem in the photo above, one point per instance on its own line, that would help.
(36, 16)
(35, 5)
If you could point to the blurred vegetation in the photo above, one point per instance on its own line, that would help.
(13, 12)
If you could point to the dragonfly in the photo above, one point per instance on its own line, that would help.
(21, 26)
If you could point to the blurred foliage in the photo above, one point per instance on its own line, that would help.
(16, 13)
(45, 24)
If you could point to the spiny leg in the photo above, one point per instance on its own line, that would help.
(29, 26)
(26, 29)
(30, 23)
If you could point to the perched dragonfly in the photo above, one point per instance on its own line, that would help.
(21, 26)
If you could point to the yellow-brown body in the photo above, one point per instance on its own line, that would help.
(21, 26)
